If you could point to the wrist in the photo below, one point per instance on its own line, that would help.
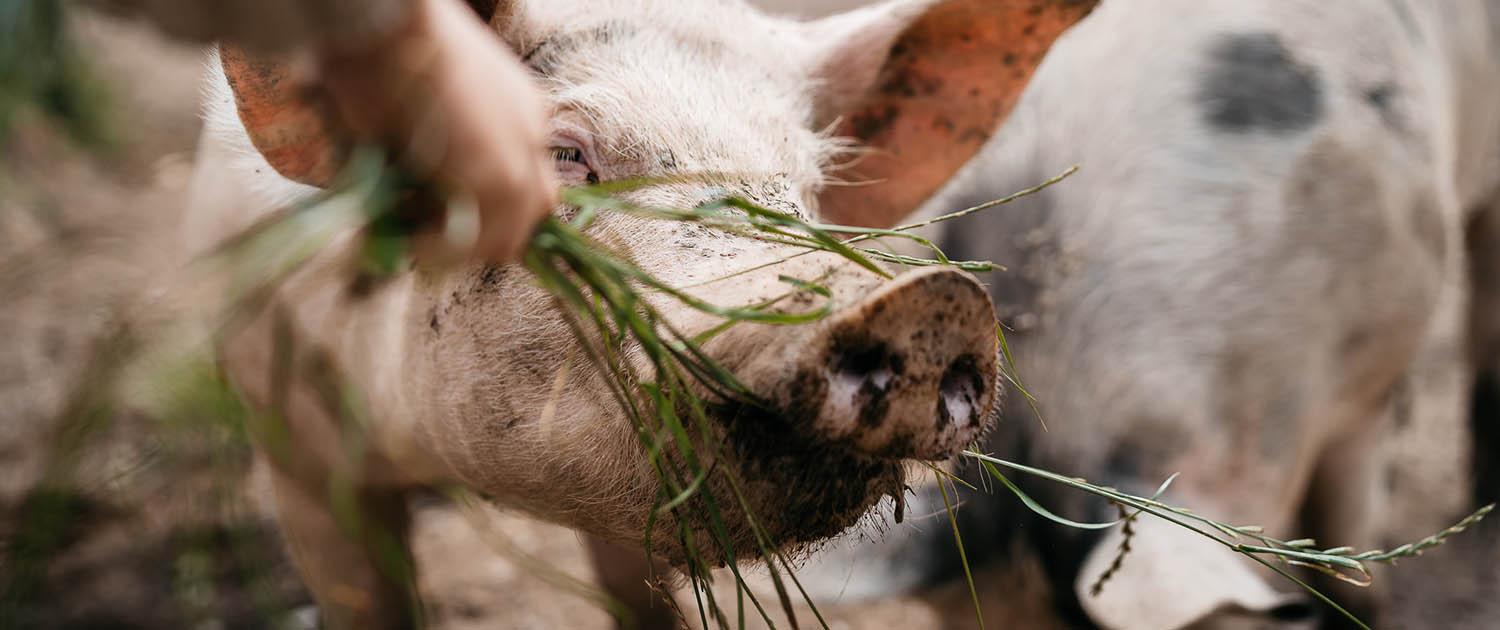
(374, 30)
(374, 82)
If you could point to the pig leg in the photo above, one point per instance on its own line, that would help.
(355, 561)
(1485, 419)
(1343, 507)
(626, 574)
(342, 511)
(1484, 332)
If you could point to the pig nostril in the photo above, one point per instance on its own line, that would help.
(958, 393)
(862, 374)
(870, 364)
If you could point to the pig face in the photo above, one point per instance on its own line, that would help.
(751, 106)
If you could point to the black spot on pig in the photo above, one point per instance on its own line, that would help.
(1253, 84)
(909, 82)
(1380, 96)
(873, 122)
(1383, 98)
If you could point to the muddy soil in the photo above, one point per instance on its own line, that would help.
(123, 506)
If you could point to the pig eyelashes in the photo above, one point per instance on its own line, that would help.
(573, 166)
(567, 154)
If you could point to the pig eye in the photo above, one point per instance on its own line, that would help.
(567, 154)
(572, 163)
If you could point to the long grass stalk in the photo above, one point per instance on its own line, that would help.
(1336, 562)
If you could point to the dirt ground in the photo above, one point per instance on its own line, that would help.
(150, 513)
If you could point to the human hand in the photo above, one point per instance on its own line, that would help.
(459, 107)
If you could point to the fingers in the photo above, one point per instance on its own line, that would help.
(499, 132)
(460, 108)
(507, 221)
(425, 76)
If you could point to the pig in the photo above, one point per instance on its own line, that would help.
(855, 119)
(1274, 200)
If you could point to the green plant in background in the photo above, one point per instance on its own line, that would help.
(41, 69)
(44, 516)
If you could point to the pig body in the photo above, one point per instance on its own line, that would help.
(472, 376)
(1274, 200)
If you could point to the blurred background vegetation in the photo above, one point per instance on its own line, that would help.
(123, 500)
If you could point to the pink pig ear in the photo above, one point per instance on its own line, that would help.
(922, 86)
(288, 122)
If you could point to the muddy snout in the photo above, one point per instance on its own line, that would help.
(909, 371)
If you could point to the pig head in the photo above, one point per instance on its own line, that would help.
(471, 375)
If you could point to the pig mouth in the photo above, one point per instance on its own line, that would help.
(802, 491)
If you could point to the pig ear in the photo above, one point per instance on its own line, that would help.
(286, 119)
(922, 86)
(1174, 578)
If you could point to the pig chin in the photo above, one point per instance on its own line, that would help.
(799, 491)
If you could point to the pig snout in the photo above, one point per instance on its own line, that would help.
(909, 371)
